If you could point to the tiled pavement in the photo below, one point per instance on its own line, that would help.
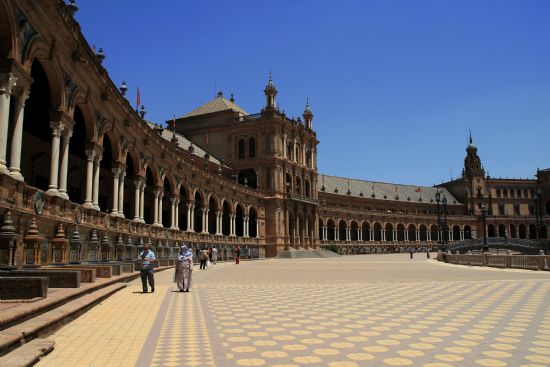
(377, 310)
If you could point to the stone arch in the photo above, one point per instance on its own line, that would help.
(252, 222)
(226, 217)
(423, 233)
(377, 231)
(491, 232)
(39, 50)
(456, 233)
(502, 230)
(354, 227)
(434, 234)
(239, 219)
(76, 171)
(183, 192)
(365, 227)
(199, 201)
(522, 231)
(400, 232)
(467, 232)
(168, 186)
(212, 209)
(342, 229)
(389, 232)
(331, 230)
(151, 184)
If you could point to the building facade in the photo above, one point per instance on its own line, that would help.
(85, 177)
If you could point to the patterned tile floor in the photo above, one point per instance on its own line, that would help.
(377, 310)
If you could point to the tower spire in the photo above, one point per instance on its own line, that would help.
(270, 93)
(308, 116)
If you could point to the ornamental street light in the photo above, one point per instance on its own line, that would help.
(437, 200)
(445, 229)
(483, 217)
(538, 214)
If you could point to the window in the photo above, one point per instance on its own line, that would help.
(241, 149)
(525, 194)
(516, 209)
(518, 193)
(498, 193)
(531, 210)
(501, 210)
(252, 148)
(505, 193)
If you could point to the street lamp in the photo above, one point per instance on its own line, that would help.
(438, 200)
(538, 213)
(483, 217)
(445, 229)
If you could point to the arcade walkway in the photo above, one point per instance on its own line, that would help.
(375, 310)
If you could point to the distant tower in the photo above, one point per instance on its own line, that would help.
(472, 162)
(308, 116)
(270, 93)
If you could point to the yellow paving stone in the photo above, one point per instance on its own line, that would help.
(490, 362)
(410, 353)
(398, 361)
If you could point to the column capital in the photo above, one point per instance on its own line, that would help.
(57, 127)
(7, 82)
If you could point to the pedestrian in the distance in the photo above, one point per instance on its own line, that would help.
(411, 252)
(148, 259)
(428, 253)
(210, 252)
(184, 268)
(237, 254)
(214, 255)
(204, 258)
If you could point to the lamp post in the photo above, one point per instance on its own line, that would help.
(483, 217)
(437, 200)
(538, 213)
(445, 229)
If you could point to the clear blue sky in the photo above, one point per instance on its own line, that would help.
(394, 85)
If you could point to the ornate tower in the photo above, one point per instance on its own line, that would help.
(270, 93)
(477, 191)
(308, 117)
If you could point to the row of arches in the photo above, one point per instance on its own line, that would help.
(341, 231)
(522, 231)
(298, 186)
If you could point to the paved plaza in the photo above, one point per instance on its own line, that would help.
(372, 310)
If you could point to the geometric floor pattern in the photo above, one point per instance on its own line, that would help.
(183, 339)
(377, 310)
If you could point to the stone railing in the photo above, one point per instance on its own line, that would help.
(532, 262)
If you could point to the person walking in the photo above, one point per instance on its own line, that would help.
(214, 255)
(204, 258)
(147, 258)
(237, 254)
(184, 268)
(210, 253)
(428, 253)
(411, 252)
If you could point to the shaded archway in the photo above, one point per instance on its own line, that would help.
(252, 148)
(106, 176)
(166, 203)
(7, 31)
(239, 222)
(130, 188)
(182, 209)
(400, 232)
(389, 232)
(288, 182)
(342, 230)
(456, 233)
(212, 216)
(33, 162)
(298, 190)
(377, 231)
(321, 230)
(532, 231)
(434, 233)
(423, 233)
(149, 196)
(354, 231)
(513, 231)
(76, 172)
(366, 231)
(252, 223)
(412, 233)
(331, 230)
(467, 232)
(197, 213)
(522, 231)
(226, 219)
(501, 230)
(240, 149)
(308, 188)
(491, 230)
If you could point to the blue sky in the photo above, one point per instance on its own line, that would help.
(394, 85)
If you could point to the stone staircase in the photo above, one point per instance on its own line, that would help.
(306, 254)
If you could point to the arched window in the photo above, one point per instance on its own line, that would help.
(252, 148)
(240, 154)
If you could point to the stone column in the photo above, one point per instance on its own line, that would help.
(383, 235)
(64, 164)
(116, 174)
(177, 213)
(173, 212)
(90, 154)
(7, 82)
(57, 128)
(417, 235)
(137, 200)
(161, 197)
(360, 234)
(156, 194)
(95, 190)
(461, 235)
(189, 215)
(204, 220)
(371, 234)
(429, 235)
(284, 146)
(121, 194)
(17, 136)
(232, 225)
(406, 235)
(219, 216)
(142, 202)
(245, 227)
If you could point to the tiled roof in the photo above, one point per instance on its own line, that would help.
(216, 105)
(382, 190)
(184, 143)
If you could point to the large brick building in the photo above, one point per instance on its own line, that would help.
(85, 176)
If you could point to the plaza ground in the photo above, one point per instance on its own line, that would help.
(371, 310)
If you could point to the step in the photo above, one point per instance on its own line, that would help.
(47, 322)
(28, 354)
